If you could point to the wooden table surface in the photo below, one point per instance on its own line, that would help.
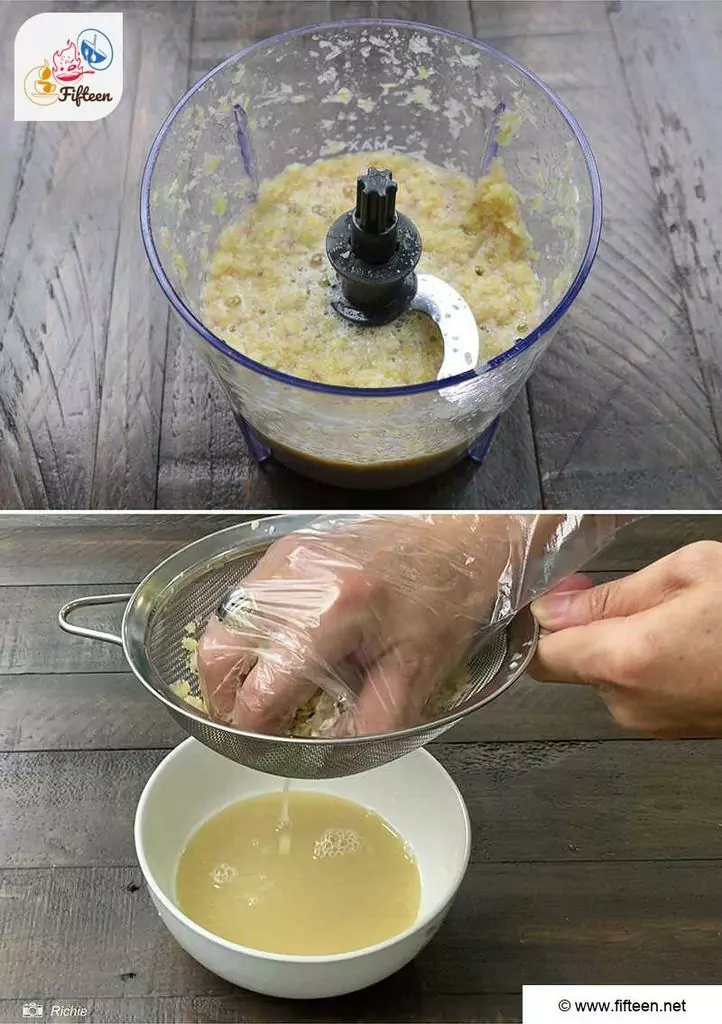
(597, 857)
(102, 405)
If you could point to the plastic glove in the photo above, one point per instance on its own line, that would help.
(377, 612)
(651, 642)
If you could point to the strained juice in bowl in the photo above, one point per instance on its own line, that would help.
(300, 874)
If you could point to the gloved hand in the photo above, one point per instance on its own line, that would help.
(377, 611)
(651, 642)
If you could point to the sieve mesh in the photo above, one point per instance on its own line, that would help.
(189, 586)
(192, 599)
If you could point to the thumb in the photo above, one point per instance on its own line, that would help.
(619, 598)
(583, 654)
(562, 610)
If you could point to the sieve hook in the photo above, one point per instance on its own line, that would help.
(86, 602)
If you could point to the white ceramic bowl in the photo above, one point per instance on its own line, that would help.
(414, 794)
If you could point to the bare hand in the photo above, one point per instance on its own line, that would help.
(651, 643)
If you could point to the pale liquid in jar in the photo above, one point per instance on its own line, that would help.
(330, 878)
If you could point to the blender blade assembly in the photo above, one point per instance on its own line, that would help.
(375, 251)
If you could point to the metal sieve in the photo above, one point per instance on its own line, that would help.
(188, 587)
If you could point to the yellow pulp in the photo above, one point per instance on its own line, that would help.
(266, 292)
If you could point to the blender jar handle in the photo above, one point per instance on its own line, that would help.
(85, 602)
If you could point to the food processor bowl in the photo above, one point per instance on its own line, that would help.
(356, 86)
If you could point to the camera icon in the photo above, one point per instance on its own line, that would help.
(33, 1009)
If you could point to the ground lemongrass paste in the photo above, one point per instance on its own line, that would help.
(266, 292)
(318, 716)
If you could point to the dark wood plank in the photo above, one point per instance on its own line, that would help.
(498, 19)
(61, 671)
(123, 548)
(31, 640)
(528, 801)
(392, 1001)
(511, 925)
(621, 414)
(18, 143)
(33, 643)
(131, 379)
(222, 28)
(532, 711)
(672, 61)
(202, 457)
(87, 548)
(80, 712)
(55, 288)
(629, 799)
(94, 711)
(203, 461)
(101, 548)
(100, 710)
(653, 536)
(97, 792)
(622, 410)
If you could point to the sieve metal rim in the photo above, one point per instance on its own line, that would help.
(522, 632)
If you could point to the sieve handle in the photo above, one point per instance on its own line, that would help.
(86, 602)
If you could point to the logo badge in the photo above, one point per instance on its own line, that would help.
(68, 67)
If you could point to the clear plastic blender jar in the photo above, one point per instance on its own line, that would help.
(349, 87)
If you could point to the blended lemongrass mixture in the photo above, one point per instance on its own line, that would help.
(319, 715)
(266, 292)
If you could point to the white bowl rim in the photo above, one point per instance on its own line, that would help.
(418, 925)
